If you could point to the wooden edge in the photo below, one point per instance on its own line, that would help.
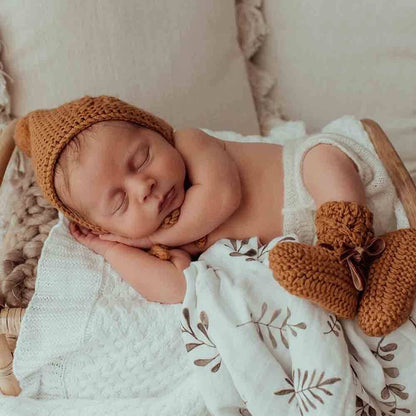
(9, 384)
(402, 181)
(10, 320)
(7, 146)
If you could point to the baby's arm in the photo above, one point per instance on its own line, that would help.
(215, 192)
(157, 280)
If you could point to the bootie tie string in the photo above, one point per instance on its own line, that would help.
(359, 260)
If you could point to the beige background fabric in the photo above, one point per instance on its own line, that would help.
(176, 58)
(336, 57)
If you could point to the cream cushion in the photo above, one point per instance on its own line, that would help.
(176, 58)
(337, 57)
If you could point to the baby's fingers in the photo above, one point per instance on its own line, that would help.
(117, 238)
(108, 237)
(74, 229)
(137, 242)
(84, 230)
(81, 234)
(78, 229)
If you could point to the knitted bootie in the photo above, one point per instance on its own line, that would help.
(332, 272)
(390, 292)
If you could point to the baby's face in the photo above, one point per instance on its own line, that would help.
(124, 173)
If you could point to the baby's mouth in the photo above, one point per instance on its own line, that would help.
(167, 199)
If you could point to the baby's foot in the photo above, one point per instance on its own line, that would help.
(315, 273)
(390, 291)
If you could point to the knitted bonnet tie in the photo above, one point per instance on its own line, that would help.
(43, 135)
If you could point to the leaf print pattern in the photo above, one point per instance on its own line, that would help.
(203, 328)
(214, 269)
(393, 392)
(364, 409)
(354, 358)
(244, 412)
(252, 254)
(311, 391)
(334, 325)
(282, 329)
(307, 394)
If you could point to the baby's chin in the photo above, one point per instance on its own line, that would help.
(135, 235)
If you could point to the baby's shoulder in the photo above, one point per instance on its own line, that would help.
(195, 139)
(203, 154)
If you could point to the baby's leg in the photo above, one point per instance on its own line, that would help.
(330, 175)
(347, 257)
(342, 222)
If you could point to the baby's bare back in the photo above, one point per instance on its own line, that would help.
(260, 212)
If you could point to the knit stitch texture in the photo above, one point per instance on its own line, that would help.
(43, 135)
(105, 341)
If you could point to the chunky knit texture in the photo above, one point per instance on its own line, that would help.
(43, 135)
(390, 293)
(344, 224)
(315, 272)
(318, 273)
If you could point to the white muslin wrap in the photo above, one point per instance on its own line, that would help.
(260, 351)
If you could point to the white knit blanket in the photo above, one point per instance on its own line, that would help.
(90, 338)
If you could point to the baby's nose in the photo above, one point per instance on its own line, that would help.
(146, 189)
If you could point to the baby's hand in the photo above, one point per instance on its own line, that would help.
(91, 240)
(142, 243)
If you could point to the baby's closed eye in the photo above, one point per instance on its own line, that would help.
(139, 163)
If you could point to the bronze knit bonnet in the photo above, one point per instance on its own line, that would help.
(43, 134)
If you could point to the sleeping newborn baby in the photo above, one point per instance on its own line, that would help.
(122, 176)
